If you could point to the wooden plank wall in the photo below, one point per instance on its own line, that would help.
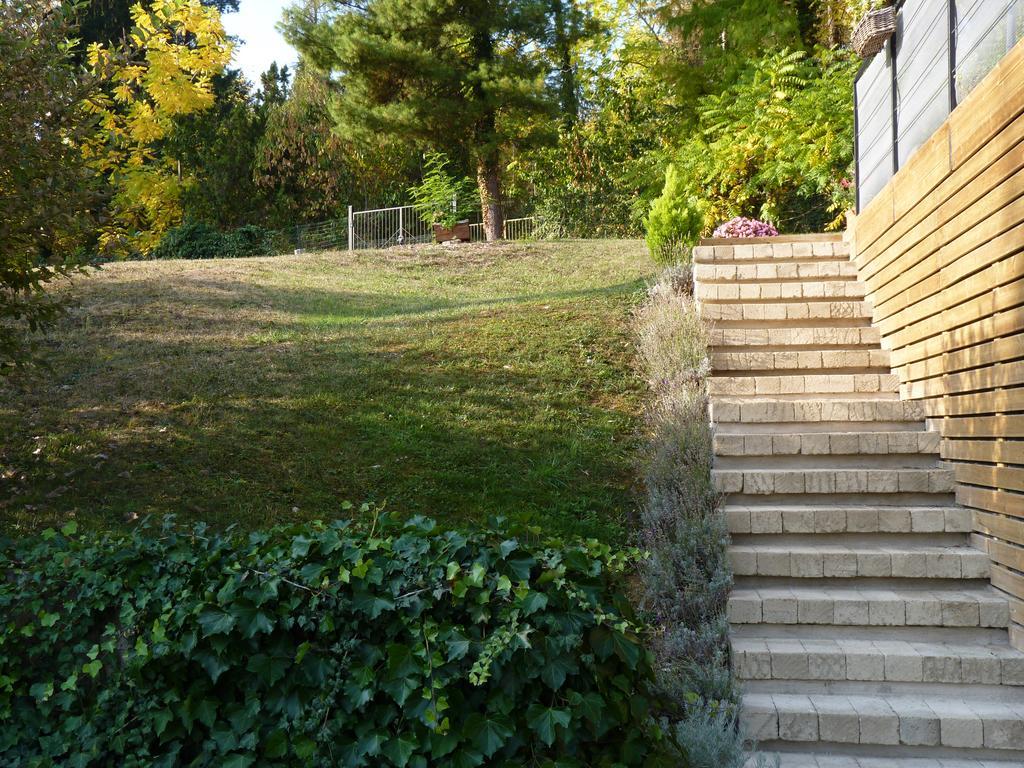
(941, 250)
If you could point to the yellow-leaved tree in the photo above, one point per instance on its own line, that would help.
(162, 71)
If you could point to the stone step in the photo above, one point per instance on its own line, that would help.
(881, 660)
(815, 291)
(827, 444)
(883, 719)
(785, 339)
(828, 383)
(792, 251)
(838, 268)
(733, 410)
(766, 482)
(787, 313)
(859, 560)
(968, 606)
(876, 360)
(815, 760)
(846, 519)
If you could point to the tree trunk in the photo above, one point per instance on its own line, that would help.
(568, 100)
(489, 184)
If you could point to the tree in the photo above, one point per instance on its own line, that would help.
(216, 150)
(309, 172)
(437, 73)
(163, 71)
(45, 187)
(108, 22)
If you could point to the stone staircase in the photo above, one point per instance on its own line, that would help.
(864, 630)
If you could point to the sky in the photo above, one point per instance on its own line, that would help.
(255, 23)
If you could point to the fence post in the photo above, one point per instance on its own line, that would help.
(401, 226)
(350, 227)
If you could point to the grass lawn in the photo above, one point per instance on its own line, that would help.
(458, 384)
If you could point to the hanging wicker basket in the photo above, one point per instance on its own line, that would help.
(874, 28)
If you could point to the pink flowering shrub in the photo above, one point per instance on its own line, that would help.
(741, 226)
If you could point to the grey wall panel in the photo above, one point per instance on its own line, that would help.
(874, 126)
(985, 31)
(922, 72)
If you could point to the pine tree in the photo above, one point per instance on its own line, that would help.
(456, 74)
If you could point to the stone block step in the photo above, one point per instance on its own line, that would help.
(876, 360)
(882, 661)
(814, 291)
(814, 760)
(766, 482)
(794, 313)
(847, 519)
(911, 721)
(784, 339)
(740, 410)
(773, 272)
(827, 444)
(859, 560)
(828, 383)
(793, 251)
(966, 606)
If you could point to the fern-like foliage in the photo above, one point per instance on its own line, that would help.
(777, 145)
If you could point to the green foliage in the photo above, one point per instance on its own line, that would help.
(45, 190)
(308, 172)
(327, 644)
(199, 240)
(456, 74)
(777, 145)
(441, 198)
(217, 150)
(722, 38)
(675, 221)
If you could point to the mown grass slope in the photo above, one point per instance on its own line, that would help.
(485, 380)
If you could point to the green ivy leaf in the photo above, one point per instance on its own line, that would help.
(212, 663)
(401, 662)
(399, 749)
(304, 748)
(216, 621)
(206, 712)
(556, 669)
(533, 602)
(543, 720)
(251, 620)
(300, 546)
(269, 669)
(488, 734)
(237, 760)
(276, 744)
(41, 691)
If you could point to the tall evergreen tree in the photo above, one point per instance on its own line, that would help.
(457, 74)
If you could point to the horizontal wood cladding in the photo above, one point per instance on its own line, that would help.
(941, 251)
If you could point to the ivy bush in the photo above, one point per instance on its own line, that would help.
(384, 644)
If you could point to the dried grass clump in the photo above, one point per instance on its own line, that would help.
(686, 579)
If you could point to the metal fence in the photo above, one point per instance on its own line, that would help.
(321, 236)
(385, 227)
(940, 51)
